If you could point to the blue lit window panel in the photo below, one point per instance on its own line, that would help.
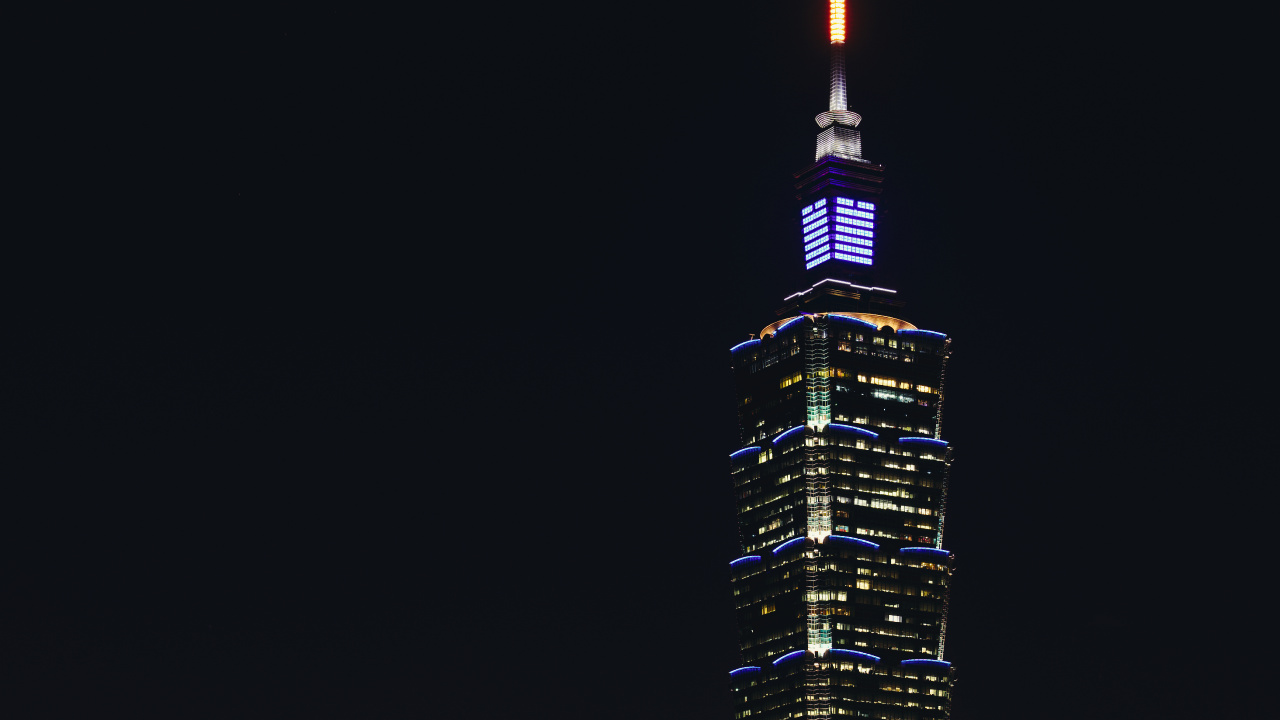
(852, 249)
(846, 201)
(741, 345)
(856, 213)
(856, 223)
(788, 433)
(856, 241)
(744, 670)
(818, 251)
(856, 653)
(926, 551)
(856, 231)
(815, 206)
(788, 544)
(822, 231)
(922, 332)
(854, 428)
(821, 238)
(816, 221)
(925, 440)
(926, 661)
(862, 205)
(789, 656)
(852, 258)
(842, 222)
(744, 450)
(816, 262)
(743, 559)
(860, 541)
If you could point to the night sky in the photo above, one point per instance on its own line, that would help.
(375, 365)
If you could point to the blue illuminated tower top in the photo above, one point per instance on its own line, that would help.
(839, 198)
(839, 228)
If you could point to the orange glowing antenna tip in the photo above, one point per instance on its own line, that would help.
(837, 21)
(840, 136)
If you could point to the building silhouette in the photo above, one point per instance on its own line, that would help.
(840, 481)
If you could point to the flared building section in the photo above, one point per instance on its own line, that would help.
(841, 588)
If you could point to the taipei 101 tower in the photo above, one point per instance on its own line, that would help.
(840, 476)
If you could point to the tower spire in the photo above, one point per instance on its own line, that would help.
(840, 135)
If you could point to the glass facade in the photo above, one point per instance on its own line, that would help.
(841, 589)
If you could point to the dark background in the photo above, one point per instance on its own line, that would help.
(373, 365)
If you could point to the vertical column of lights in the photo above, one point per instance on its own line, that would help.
(838, 99)
(844, 231)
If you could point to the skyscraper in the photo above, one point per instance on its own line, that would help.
(841, 477)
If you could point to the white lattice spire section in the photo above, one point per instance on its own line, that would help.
(840, 135)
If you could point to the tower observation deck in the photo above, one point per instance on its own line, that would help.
(840, 477)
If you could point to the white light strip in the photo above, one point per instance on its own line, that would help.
(842, 282)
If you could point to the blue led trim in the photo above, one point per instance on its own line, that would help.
(785, 434)
(788, 544)
(869, 656)
(922, 332)
(926, 661)
(788, 324)
(930, 441)
(741, 345)
(744, 558)
(739, 671)
(814, 263)
(860, 541)
(852, 258)
(932, 551)
(788, 656)
(745, 449)
(854, 428)
(846, 318)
